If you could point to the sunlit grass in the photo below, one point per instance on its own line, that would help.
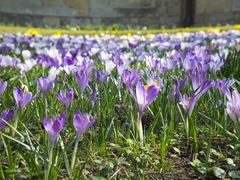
(76, 31)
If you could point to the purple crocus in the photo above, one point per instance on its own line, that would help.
(223, 86)
(65, 98)
(82, 78)
(233, 106)
(188, 103)
(21, 98)
(53, 126)
(3, 86)
(93, 97)
(130, 79)
(198, 78)
(99, 75)
(175, 89)
(145, 96)
(5, 117)
(156, 81)
(44, 83)
(82, 122)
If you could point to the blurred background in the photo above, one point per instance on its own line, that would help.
(150, 13)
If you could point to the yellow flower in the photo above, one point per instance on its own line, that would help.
(96, 35)
(114, 31)
(129, 34)
(57, 34)
(214, 30)
(32, 32)
(237, 26)
(149, 36)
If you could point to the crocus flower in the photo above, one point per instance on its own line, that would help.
(130, 79)
(82, 122)
(204, 88)
(93, 97)
(109, 65)
(65, 98)
(197, 78)
(145, 95)
(156, 81)
(223, 86)
(3, 86)
(44, 83)
(188, 103)
(233, 106)
(53, 126)
(5, 117)
(99, 75)
(82, 80)
(21, 98)
(175, 89)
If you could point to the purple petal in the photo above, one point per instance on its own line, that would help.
(3, 86)
(152, 93)
(141, 96)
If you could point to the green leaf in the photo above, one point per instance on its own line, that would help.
(97, 178)
(219, 172)
(196, 163)
(234, 174)
(97, 161)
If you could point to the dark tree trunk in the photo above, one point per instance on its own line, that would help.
(188, 12)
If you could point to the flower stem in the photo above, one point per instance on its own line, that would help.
(49, 163)
(74, 153)
(65, 158)
(140, 128)
(16, 123)
(187, 128)
(46, 105)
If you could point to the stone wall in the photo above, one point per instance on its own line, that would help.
(154, 13)
(217, 11)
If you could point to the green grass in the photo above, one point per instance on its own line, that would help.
(77, 31)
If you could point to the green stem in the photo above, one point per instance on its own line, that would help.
(16, 123)
(140, 128)
(45, 154)
(65, 158)
(46, 104)
(49, 163)
(187, 128)
(74, 153)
